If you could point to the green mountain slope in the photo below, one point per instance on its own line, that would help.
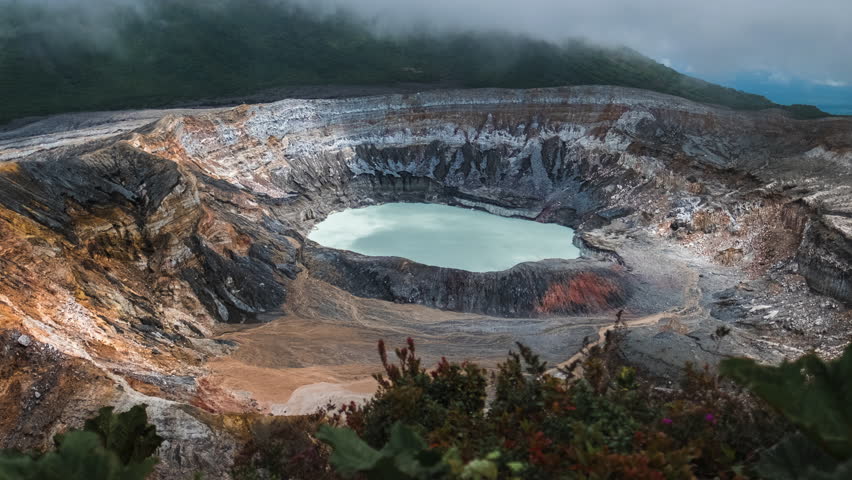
(181, 51)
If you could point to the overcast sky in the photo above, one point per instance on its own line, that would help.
(784, 39)
(811, 39)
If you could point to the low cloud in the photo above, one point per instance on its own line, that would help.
(831, 83)
(779, 78)
(808, 39)
(803, 39)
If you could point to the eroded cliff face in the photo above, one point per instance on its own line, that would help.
(545, 287)
(123, 256)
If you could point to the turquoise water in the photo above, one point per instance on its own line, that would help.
(444, 236)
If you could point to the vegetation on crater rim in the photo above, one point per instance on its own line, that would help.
(182, 51)
(458, 422)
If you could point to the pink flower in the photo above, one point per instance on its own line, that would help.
(710, 418)
(667, 421)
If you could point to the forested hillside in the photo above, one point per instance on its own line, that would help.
(55, 59)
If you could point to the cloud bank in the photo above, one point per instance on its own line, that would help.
(808, 39)
(789, 38)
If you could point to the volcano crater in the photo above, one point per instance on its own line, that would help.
(167, 254)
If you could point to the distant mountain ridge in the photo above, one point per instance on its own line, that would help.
(181, 52)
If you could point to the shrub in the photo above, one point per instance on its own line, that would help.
(283, 448)
(79, 456)
(424, 401)
(611, 424)
(405, 456)
(110, 447)
(815, 396)
(127, 434)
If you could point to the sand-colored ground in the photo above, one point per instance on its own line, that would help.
(323, 349)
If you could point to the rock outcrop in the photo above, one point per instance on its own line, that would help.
(572, 287)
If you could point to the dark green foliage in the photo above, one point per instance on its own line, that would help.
(79, 456)
(405, 456)
(613, 422)
(805, 112)
(127, 434)
(797, 457)
(610, 425)
(519, 383)
(424, 400)
(283, 448)
(189, 51)
(110, 447)
(814, 395)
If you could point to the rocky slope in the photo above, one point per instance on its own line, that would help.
(132, 249)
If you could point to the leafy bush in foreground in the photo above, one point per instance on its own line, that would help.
(405, 455)
(419, 399)
(611, 424)
(110, 447)
(127, 434)
(283, 448)
(817, 398)
(79, 456)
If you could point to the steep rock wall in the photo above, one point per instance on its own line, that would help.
(824, 257)
(546, 287)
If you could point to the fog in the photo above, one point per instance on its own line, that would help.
(806, 39)
(793, 37)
